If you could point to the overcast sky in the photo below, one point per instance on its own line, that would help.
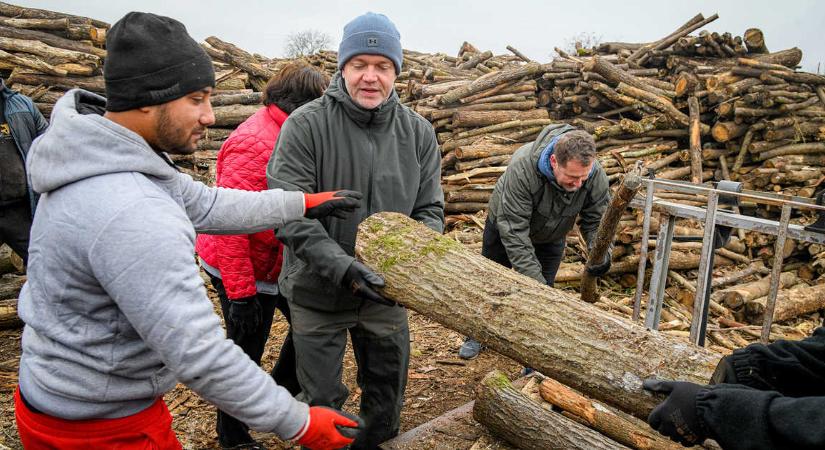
(534, 27)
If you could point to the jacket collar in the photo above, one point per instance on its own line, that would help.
(364, 117)
(276, 114)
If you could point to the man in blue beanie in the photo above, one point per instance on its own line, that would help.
(357, 136)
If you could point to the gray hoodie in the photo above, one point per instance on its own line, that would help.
(114, 306)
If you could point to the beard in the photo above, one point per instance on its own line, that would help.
(172, 138)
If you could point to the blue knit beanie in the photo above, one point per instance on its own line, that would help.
(371, 34)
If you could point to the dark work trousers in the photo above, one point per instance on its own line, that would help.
(381, 344)
(231, 431)
(549, 255)
(15, 225)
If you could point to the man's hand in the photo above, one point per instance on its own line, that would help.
(245, 315)
(333, 203)
(362, 281)
(676, 417)
(328, 429)
(601, 268)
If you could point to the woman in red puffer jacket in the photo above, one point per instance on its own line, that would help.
(244, 268)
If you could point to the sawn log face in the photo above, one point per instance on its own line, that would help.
(601, 355)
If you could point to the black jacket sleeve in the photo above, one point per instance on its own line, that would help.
(792, 368)
(742, 418)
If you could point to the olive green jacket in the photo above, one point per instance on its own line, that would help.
(528, 208)
(388, 153)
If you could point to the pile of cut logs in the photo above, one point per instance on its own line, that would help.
(704, 106)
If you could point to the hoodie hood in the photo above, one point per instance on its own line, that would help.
(338, 90)
(81, 143)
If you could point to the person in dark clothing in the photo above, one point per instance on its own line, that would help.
(244, 268)
(760, 397)
(20, 123)
(548, 185)
(357, 136)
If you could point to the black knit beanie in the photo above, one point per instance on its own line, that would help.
(151, 60)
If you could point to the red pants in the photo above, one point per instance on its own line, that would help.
(148, 429)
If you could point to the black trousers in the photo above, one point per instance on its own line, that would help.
(231, 431)
(15, 225)
(381, 344)
(549, 255)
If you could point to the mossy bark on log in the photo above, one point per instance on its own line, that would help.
(576, 343)
(526, 424)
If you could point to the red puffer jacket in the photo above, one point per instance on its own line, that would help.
(245, 258)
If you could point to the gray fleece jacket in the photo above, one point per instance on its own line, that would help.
(114, 306)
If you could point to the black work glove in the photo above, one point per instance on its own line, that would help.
(724, 373)
(245, 315)
(601, 268)
(333, 203)
(361, 281)
(676, 417)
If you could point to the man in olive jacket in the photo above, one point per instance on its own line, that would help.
(547, 185)
(357, 136)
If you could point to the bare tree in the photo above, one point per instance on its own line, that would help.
(307, 42)
(580, 44)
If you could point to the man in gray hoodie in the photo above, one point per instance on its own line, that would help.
(114, 306)
(357, 136)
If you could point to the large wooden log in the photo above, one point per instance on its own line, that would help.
(790, 303)
(624, 429)
(8, 315)
(736, 296)
(50, 39)
(526, 424)
(574, 342)
(467, 119)
(94, 84)
(232, 115)
(55, 55)
(485, 150)
(9, 10)
(606, 233)
(616, 76)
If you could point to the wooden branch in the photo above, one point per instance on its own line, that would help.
(606, 233)
(538, 326)
(488, 82)
(485, 150)
(9, 10)
(519, 54)
(624, 429)
(94, 84)
(526, 423)
(695, 141)
(616, 76)
(660, 103)
(58, 55)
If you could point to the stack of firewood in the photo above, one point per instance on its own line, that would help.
(45, 53)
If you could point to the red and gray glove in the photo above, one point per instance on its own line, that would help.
(328, 429)
(332, 203)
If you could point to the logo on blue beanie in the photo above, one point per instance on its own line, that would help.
(372, 42)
